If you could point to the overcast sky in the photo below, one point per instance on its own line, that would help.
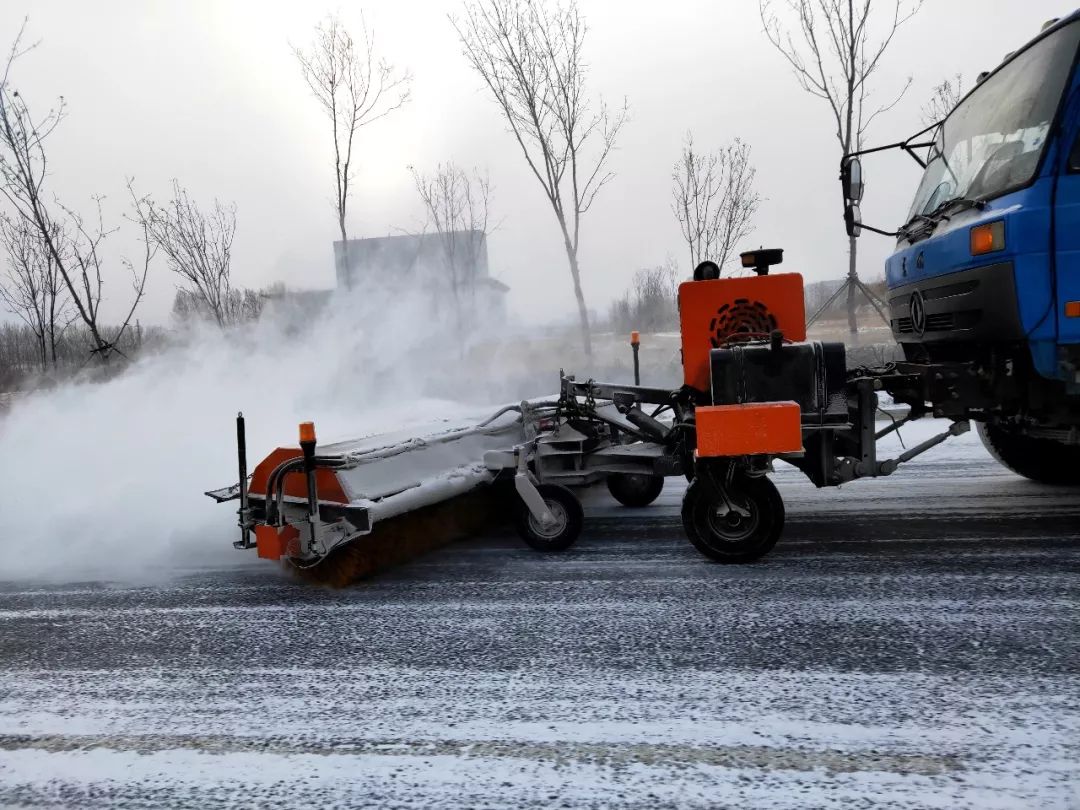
(207, 91)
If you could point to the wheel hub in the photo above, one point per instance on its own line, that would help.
(733, 525)
(557, 525)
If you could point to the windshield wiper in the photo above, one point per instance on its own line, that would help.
(960, 203)
(909, 228)
(928, 222)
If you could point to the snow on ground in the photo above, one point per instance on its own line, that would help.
(913, 642)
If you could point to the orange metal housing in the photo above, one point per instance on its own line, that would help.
(272, 543)
(295, 484)
(746, 430)
(710, 312)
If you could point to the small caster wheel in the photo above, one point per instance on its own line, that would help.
(559, 535)
(739, 529)
(631, 489)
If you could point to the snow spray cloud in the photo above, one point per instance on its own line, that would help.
(105, 480)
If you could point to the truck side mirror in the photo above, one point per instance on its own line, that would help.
(852, 180)
(853, 219)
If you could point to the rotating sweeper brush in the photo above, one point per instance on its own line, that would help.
(754, 391)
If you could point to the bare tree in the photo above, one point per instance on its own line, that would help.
(33, 289)
(354, 88)
(943, 100)
(714, 200)
(530, 54)
(23, 290)
(456, 204)
(244, 304)
(197, 246)
(72, 244)
(651, 302)
(834, 49)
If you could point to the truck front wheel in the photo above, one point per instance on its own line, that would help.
(1042, 460)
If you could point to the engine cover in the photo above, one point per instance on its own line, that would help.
(811, 374)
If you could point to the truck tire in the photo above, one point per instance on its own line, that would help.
(1042, 460)
(569, 518)
(631, 489)
(726, 536)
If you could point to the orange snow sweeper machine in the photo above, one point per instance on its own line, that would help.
(754, 390)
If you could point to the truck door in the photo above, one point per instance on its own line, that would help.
(1067, 224)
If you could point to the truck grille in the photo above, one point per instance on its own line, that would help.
(940, 322)
(974, 304)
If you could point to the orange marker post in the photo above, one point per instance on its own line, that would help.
(307, 444)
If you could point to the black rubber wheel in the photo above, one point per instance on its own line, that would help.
(727, 536)
(631, 489)
(569, 518)
(1042, 460)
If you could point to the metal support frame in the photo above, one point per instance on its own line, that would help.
(867, 413)
(719, 477)
(601, 390)
(955, 429)
(527, 491)
(869, 294)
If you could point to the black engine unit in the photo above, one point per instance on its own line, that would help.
(812, 374)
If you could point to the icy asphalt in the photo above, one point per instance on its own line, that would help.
(913, 642)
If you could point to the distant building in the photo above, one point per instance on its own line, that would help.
(434, 263)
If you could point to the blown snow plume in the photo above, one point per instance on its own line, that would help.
(106, 480)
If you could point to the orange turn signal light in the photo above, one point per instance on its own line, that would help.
(635, 338)
(1072, 309)
(987, 238)
(307, 433)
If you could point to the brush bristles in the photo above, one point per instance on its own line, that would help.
(406, 537)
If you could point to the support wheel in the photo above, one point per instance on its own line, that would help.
(631, 489)
(739, 530)
(557, 536)
(1042, 460)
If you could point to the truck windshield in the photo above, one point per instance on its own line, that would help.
(991, 143)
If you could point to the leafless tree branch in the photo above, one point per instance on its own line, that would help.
(834, 49)
(457, 208)
(943, 100)
(197, 246)
(530, 55)
(714, 200)
(355, 88)
(68, 241)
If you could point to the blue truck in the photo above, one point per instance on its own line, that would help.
(984, 283)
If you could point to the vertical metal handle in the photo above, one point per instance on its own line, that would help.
(307, 445)
(241, 456)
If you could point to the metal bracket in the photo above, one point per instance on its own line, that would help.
(707, 473)
(955, 429)
(848, 469)
(526, 489)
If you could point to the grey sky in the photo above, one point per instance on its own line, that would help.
(208, 92)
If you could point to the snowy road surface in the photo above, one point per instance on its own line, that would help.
(913, 642)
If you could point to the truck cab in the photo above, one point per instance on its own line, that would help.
(985, 277)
